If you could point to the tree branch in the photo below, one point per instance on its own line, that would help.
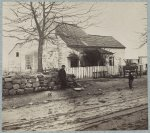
(35, 18)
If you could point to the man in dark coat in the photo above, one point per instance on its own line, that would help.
(131, 78)
(62, 77)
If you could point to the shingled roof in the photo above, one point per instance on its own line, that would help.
(74, 36)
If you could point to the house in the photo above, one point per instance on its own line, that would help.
(73, 48)
(132, 61)
(91, 50)
(143, 62)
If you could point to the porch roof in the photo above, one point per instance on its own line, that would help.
(103, 51)
(100, 50)
(73, 55)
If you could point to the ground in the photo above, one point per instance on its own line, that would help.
(104, 104)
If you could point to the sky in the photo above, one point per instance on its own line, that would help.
(125, 21)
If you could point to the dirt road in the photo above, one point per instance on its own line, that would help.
(102, 103)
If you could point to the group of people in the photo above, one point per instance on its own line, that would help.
(63, 81)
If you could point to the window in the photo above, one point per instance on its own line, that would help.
(17, 54)
(111, 61)
(28, 61)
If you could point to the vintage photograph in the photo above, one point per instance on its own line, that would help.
(74, 66)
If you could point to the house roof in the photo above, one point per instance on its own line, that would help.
(74, 36)
(13, 48)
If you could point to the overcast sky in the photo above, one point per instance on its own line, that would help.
(122, 20)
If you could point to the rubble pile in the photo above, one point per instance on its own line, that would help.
(23, 84)
(71, 81)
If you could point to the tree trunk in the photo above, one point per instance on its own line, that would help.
(40, 53)
(59, 52)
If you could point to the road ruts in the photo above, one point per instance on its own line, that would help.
(73, 114)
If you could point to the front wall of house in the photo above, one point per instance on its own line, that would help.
(119, 55)
(17, 64)
(53, 57)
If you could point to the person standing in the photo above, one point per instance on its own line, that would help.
(62, 77)
(131, 78)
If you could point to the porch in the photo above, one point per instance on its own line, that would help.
(90, 57)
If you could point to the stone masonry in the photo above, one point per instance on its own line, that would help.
(23, 84)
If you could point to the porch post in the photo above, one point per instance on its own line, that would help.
(80, 57)
(68, 63)
(79, 62)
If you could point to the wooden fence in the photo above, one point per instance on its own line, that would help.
(93, 72)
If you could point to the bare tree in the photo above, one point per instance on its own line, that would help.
(144, 34)
(37, 21)
(144, 39)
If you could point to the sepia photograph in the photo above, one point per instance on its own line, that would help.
(74, 66)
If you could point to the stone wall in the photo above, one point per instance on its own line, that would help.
(23, 84)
